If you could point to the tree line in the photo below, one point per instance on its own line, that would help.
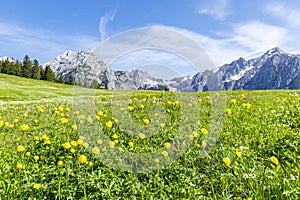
(32, 69)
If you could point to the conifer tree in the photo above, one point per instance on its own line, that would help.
(36, 70)
(26, 67)
(49, 74)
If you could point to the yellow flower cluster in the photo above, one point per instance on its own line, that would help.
(36, 186)
(227, 161)
(63, 120)
(109, 124)
(24, 127)
(82, 159)
(246, 105)
(228, 111)
(20, 148)
(66, 145)
(233, 101)
(204, 131)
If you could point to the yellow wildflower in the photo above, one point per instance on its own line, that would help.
(60, 163)
(141, 136)
(203, 144)
(36, 158)
(72, 150)
(233, 101)
(167, 145)
(74, 127)
(60, 108)
(24, 127)
(85, 145)
(90, 120)
(82, 159)
(195, 134)
(228, 111)
(47, 141)
(165, 153)
(111, 144)
(191, 137)
(109, 124)
(36, 138)
(96, 150)
(20, 148)
(28, 154)
(146, 121)
(100, 113)
(156, 160)
(73, 143)
(25, 115)
(16, 120)
(36, 186)
(131, 144)
(99, 141)
(79, 141)
(204, 131)
(44, 136)
(130, 108)
(66, 145)
(274, 160)
(115, 136)
(227, 161)
(19, 166)
(238, 153)
(246, 105)
(64, 120)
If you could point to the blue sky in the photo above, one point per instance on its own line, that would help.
(225, 29)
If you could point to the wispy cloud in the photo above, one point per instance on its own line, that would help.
(284, 12)
(257, 35)
(243, 40)
(109, 17)
(216, 8)
(38, 43)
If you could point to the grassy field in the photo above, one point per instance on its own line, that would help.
(121, 145)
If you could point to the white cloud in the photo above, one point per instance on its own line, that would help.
(243, 40)
(285, 13)
(258, 36)
(216, 8)
(38, 43)
(103, 22)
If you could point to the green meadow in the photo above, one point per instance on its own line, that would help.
(64, 142)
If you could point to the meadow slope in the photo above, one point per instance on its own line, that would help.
(61, 142)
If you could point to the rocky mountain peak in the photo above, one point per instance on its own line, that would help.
(275, 69)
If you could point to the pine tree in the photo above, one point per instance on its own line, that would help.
(49, 74)
(17, 68)
(26, 67)
(36, 70)
(61, 79)
(71, 80)
(42, 73)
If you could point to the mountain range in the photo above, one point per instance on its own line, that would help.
(275, 69)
